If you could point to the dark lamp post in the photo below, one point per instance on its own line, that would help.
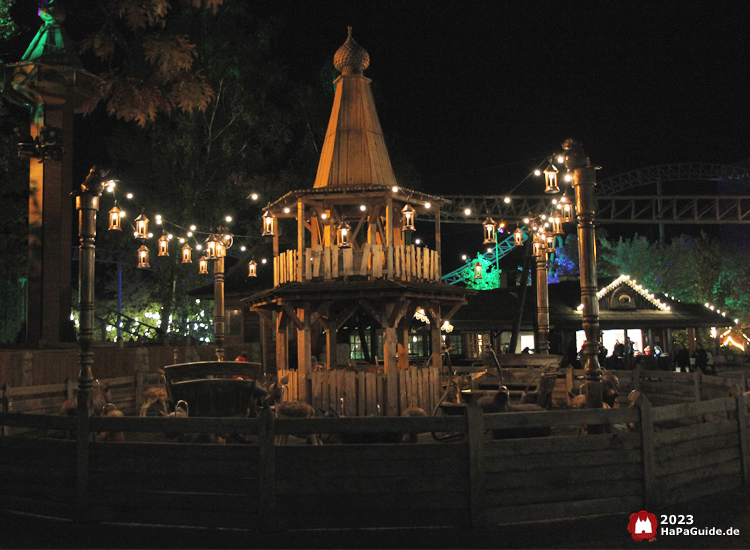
(584, 180)
(87, 204)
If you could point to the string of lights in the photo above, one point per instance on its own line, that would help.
(214, 246)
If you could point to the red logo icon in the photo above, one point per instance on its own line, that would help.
(642, 526)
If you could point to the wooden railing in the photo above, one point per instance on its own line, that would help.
(365, 393)
(669, 455)
(408, 263)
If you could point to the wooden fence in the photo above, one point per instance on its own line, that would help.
(365, 393)
(673, 454)
(668, 387)
(409, 262)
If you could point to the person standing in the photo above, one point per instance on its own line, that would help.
(682, 359)
(701, 358)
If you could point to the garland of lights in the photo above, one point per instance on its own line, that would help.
(140, 231)
(419, 315)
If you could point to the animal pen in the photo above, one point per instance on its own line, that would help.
(697, 445)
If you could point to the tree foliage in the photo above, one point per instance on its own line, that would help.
(698, 270)
(147, 61)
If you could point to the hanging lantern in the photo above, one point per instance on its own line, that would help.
(343, 233)
(163, 246)
(518, 237)
(550, 243)
(203, 266)
(478, 271)
(540, 247)
(550, 180)
(141, 226)
(407, 221)
(143, 257)
(212, 243)
(252, 269)
(556, 221)
(490, 228)
(269, 224)
(115, 217)
(186, 253)
(567, 212)
(221, 248)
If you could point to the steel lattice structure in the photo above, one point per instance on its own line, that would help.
(620, 209)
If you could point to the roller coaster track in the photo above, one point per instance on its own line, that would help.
(620, 209)
(616, 209)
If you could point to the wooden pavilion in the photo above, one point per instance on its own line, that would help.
(623, 305)
(354, 251)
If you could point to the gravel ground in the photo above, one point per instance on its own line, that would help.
(724, 510)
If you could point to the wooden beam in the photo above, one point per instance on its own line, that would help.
(291, 314)
(300, 240)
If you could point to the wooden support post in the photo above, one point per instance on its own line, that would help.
(648, 453)
(267, 516)
(438, 246)
(403, 343)
(300, 240)
(742, 427)
(390, 358)
(304, 350)
(282, 342)
(477, 485)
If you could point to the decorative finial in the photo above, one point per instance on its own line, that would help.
(351, 58)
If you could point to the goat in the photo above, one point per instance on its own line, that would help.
(99, 396)
(292, 409)
(182, 410)
(154, 395)
(499, 403)
(111, 411)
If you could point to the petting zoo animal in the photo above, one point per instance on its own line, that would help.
(98, 398)
(291, 409)
(499, 403)
(111, 411)
(182, 410)
(155, 397)
(610, 391)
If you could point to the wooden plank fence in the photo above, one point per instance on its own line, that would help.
(410, 262)
(359, 392)
(674, 453)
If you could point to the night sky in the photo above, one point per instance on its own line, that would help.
(478, 92)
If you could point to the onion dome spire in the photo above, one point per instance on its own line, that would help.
(351, 58)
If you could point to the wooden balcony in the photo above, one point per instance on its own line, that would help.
(403, 262)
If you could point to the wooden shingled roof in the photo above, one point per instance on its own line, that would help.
(354, 152)
(497, 309)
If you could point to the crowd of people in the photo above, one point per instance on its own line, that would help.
(626, 356)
